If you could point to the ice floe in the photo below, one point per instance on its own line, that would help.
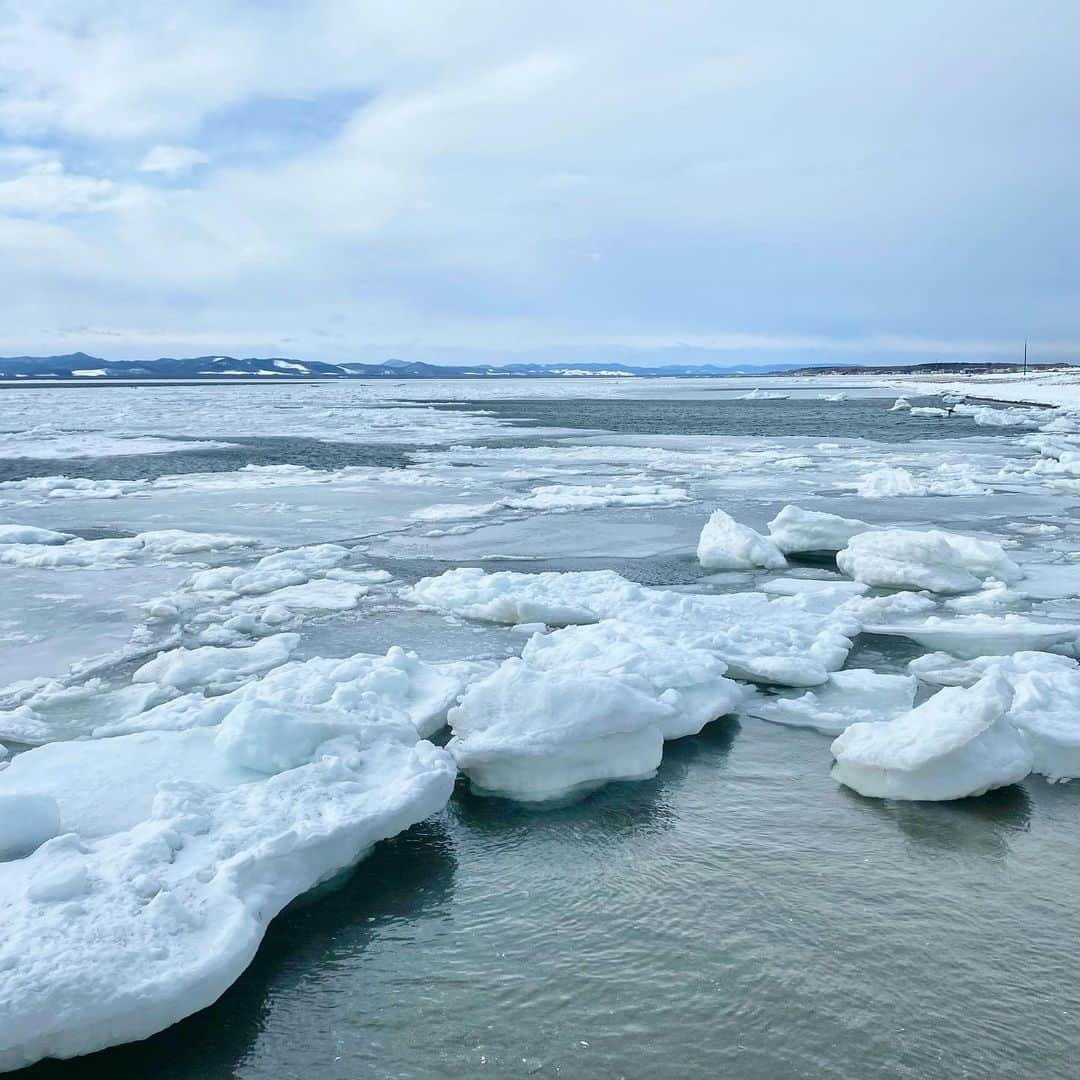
(725, 544)
(780, 641)
(44, 442)
(1046, 708)
(111, 936)
(159, 857)
(890, 481)
(215, 667)
(958, 743)
(944, 669)
(537, 735)
(855, 695)
(689, 680)
(56, 551)
(28, 534)
(938, 561)
(973, 636)
(798, 531)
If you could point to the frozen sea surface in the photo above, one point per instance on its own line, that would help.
(738, 914)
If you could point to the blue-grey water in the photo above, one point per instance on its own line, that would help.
(739, 915)
(856, 418)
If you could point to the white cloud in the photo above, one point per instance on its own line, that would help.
(798, 178)
(172, 159)
(48, 191)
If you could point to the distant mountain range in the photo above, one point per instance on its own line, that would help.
(84, 368)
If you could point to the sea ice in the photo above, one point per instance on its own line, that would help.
(691, 681)
(727, 545)
(958, 743)
(28, 534)
(1046, 708)
(535, 735)
(889, 481)
(26, 822)
(174, 862)
(54, 553)
(855, 695)
(937, 561)
(944, 669)
(210, 666)
(973, 636)
(798, 531)
(780, 641)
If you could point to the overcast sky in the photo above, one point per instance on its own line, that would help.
(735, 183)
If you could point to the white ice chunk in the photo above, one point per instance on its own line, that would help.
(691, 681)
(157, 544)
(53, 710)
(536, 735)
(178, 861)
(28, 534)
(944, 669)
(985, 416)
(781, 641)
(938, 561)
(727, 545)
(1046, 708)
(400, 681)
(956, 744)
(186, 669)
(852, 696)
(509, 597)
(971, 636)
(796, 530)
(890, 481)
(26, 822)
(565, 497)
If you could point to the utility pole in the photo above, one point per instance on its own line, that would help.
(1025, 356)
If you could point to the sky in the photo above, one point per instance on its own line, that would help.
(716, 182)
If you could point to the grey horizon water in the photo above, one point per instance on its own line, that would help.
(740, 914)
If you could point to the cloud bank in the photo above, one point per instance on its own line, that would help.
(728, 182)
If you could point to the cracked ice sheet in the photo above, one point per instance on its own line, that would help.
(331, 412)
(47, 443)
(792, 469)
(54, 619)
(283, 508)
(629, 534)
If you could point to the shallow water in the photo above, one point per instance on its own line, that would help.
(803, 416)
(738, 915)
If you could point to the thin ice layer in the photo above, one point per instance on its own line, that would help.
(971, 636)
(853, 696)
